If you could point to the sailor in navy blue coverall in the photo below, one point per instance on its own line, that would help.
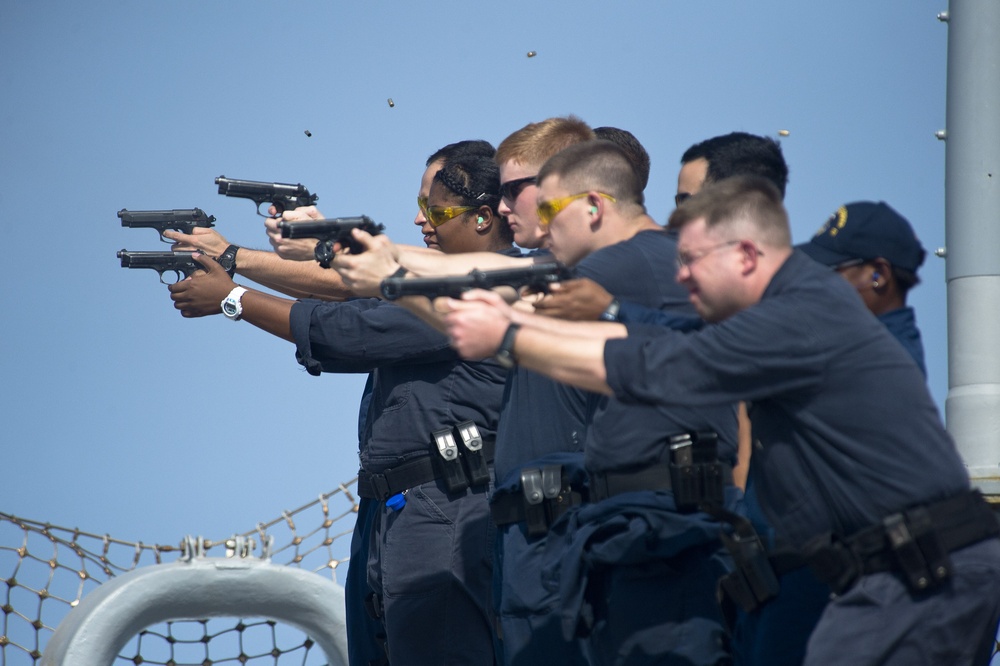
(429, 562)
(875, 250)
(854, 466)
(544, 423)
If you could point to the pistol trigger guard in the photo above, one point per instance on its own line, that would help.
(177, 277)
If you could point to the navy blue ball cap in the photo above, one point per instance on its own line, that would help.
(866, 230)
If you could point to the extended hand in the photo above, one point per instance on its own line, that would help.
(294, 249)
(579, 300)
(476, 324)
(202, 239)
(201, 294)
(363, 273)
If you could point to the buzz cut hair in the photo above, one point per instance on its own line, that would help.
(596, 165)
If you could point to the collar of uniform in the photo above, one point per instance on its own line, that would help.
(789, 274)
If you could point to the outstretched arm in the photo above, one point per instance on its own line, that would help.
(569, 352)
(202, 295)
(423, 261)
(298, 279)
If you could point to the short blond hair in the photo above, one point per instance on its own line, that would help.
(535, 143)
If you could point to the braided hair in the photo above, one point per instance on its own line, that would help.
(476, 180)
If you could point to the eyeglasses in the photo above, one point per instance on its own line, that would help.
(438, 215)
(512, 189)
(547, 210)
(689, 258)
(681, 197)
(850, 263)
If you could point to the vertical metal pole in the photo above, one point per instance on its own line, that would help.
(972, 235)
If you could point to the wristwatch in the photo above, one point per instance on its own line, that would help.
(232, 306)
(505, 355)
(228, 259)
(611, 314)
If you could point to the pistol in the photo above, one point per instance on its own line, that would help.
(178, 263)
(536, 277)
(281, 195)
(182, 220)
(328, 232)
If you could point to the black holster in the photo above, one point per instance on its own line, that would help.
(461, 461)
(753, 581)
(697, 476)
(915, 542)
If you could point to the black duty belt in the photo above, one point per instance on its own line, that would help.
(697, 480)
(915, 542)
(546, 494)
(694, 474)
(383, 485)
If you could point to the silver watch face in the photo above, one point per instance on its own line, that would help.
(505, 359)
(229, 308)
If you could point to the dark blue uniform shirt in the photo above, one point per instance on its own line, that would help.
(542, 417)
(845, 431)
(421, 384)
(902, 324)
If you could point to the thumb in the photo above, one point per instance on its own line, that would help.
(365, 239)
(210, 265)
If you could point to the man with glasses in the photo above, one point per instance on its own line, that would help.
(862, 479)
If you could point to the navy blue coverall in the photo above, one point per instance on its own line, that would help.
(545, 422)
(776, 634)
(430, 562)
(635, 574)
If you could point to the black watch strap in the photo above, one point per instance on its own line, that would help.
(505, 354)
(228, 259)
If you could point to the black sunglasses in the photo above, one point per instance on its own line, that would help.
(512, 189)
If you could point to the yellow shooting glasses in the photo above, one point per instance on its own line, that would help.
(438, 215)
(547, 210)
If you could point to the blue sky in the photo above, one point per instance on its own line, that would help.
(121, 417)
